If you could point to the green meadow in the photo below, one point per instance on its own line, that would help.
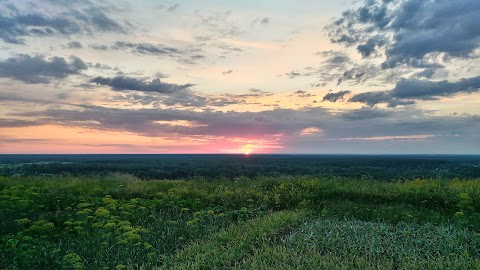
(118, 221)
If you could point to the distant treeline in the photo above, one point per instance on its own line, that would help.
(387, 168)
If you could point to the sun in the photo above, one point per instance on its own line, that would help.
(247, 153)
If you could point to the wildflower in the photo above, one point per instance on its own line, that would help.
(147, 245)
(22, 221)
(102, 212)
(193, 222)
(120, 267)
(109, 225)
(72, 261)
(67, 223)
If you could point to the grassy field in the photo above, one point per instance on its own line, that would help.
(121, 222)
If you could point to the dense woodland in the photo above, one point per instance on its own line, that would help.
(234, 166)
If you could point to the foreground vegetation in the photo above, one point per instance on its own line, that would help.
(121, 222)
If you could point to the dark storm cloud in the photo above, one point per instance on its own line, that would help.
(86, 18)
(336, 96)
(127, 83)
(38, 69)
(407, 91)
(410, 30)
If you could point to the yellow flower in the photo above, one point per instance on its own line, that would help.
(102, 212)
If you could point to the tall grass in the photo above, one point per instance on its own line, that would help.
(352, 244)
(231, 246)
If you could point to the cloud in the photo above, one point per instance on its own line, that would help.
(99, 20)
(74, 45)
(310, 131)
(407, 91)
(293, 74)
(188, 55)
(334, 57)
(150, 122)
(373, 98)
(397, 126)
(259, 91)
(359, 73)
(62, 96)
(173, 8)
(424, 89)
(186, 98)
(4, 140)
(302, 94)
(227, 72)
(145, 48)
(127, 83)
(390, 138)
(14, 123)
(427, 73)
(336, 96)
(338, 67)
(410, 30)
(38, 69)
(370, 46)
(264, 20)
(365, 113)
(289, 124)
(98, 47)
(217, 25)
(51, 19)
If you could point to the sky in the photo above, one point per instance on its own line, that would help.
(253, 77)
